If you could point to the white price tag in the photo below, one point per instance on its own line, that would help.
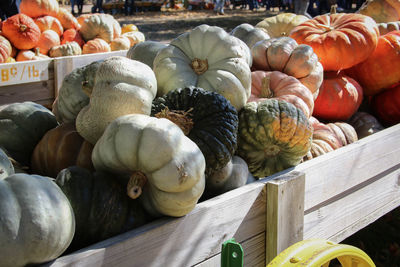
(24, 72)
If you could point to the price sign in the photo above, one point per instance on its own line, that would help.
(24, 72)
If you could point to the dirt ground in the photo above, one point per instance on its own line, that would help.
(166, 25)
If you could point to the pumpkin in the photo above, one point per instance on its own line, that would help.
(285, 55)
(21, 31)
(120, 43)
(341, 40)
(74, 92)
(207, 118)
(344, 131)
(129, 28)
(101, 207)
(36, 220)
(97, 26)
(339, 97)
(72, 35)
(48, 39)
(386, 106)
(122, 86)
(166, 168)
(275, 84)
(381, 10)
(60, 148)
(381, 69)
(135, 37)
(67, 49)
(365, 124)
(5, 49)
(273, 136)
(82, 17)
(249, 34)
(145, 51)
(281, 25)
(206, 57)
(233, 175)
(6, 167)
(22, 125)
(26, 55)
(68, 21)
(385, 28)
(38, 8)
(96, 45)
(49, 23)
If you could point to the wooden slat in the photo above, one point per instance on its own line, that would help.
(285, 213)
(64, 65)
(26, 72)
(184, 241)
(356, 208)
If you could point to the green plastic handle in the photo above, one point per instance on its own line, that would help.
(231, 254)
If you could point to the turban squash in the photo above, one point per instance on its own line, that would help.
(249, 34)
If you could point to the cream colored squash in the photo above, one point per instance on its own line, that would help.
(122, 86)
(99, 26)
(281, 24)
(159, 157)
(206, 57)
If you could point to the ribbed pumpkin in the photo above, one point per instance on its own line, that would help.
(206, 57)
(365, 124)
(166, 168)
(129, 28)
(101, 207)
(120, 43)
(273, 136)
(135, 37)
(344, 131)
(341, 40)
(5, 49)
(59, 148)
(122, 86)
(381, 69)
(386, 106)
(38, 8)
(339, 97)
(49, 23)
(21, 31)
(26, 55)
(281, 24)
(47, 40)
(97, 26)
(278, 85)
(67, 49)
(249, 34)
(74, 92)
(22, 125)
(72, 35)
(36, 220)
(6, 167)
(82, 17)
(381, 10)
(68, 21)
(385, 28)
(145, 51)
(284, 54)
(96, 45)
(207, 118)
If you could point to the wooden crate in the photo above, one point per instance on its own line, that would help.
(330, 197)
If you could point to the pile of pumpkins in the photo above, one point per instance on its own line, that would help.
(43, 29)
(132, 138)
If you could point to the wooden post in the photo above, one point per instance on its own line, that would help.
(285, 213)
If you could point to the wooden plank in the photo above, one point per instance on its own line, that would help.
(285, 213)
(39, 92)
(26, 72)
(359, 206)
(64, 65)
(184, 241)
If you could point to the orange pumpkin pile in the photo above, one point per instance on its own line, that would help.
(42, 25)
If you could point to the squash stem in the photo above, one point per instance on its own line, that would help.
(135, 184)
(199, 65)
(266, 88)
(179, 117)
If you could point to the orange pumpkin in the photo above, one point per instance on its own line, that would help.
(37, 8)
(25, 55)
(129, 28)
(21, 31)
(82, 17)
(382, 68)
(5, 49)
(275, 84)
(341, 40)
(68, 21)
(49, 23)
(381, 10)
(48, 39)
(96, 45)
(72, 35)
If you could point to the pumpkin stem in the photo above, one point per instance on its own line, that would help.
(136, 182)
(271, 150)
(265, 88)
(86, 89)
(333, 9)
(199, 65)
(23, 27)
(179, 117)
